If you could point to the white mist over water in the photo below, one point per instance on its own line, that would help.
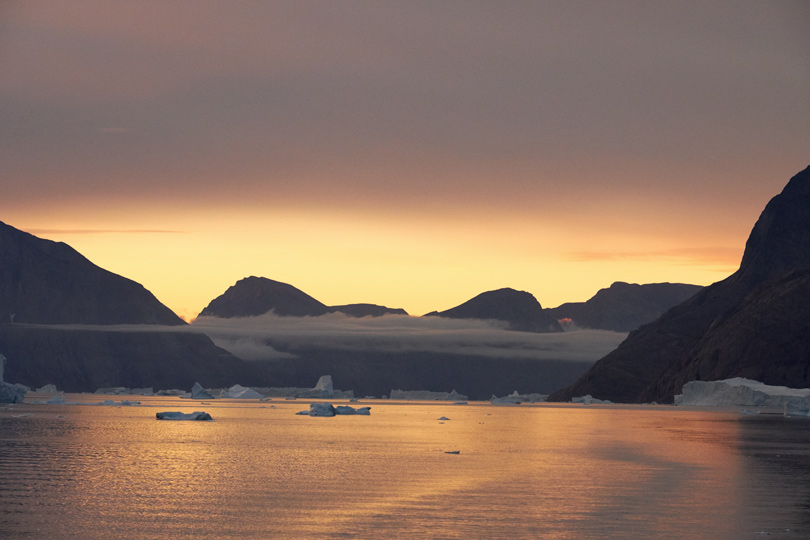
(261, 471)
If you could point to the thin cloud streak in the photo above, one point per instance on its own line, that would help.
(712, 256)
(57, 232)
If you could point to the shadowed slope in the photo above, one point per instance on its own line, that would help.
(645, 366)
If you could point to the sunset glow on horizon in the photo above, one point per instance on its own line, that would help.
(411, 155)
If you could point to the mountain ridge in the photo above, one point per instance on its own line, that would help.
(644, 367)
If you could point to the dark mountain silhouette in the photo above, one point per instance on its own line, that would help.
(46, 282)
(700, 337)
(375, 373)
(624, 306)
(367, 310)
(83, 360)
(766, 338)
(254, 296)
(519, 309)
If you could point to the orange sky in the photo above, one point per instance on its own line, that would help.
(406, 154)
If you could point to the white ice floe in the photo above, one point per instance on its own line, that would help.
(9, 393)
(238, 391)
(590, 400)
(516, 399)
(173, 415)
(345, 409)
(745, 393)
(198, 392)
(327, 409)
(58, 399)
(426, 395)
(324, 388)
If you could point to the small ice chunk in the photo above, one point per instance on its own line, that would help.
(58, 399)
(321, 409)
(345, 409)
(174, 415)
(444, 418)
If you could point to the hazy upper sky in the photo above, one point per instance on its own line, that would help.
(411, 154)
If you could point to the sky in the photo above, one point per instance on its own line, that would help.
(409, 154)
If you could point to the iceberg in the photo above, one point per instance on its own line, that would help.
(327, 409)
(238, 391)
(58, 399)
(171, 415)
(198, 392)
(745, 393)
(47, 389)
(113, 390)
(9, 393)
(516, 399)
(590, 400)
(426, 395)
(324, 388)
(319, 409)
(345, 409)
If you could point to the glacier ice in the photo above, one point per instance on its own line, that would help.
(9, 393)
(327, 409)
(174, 415)
(516, 399)
(426, 395)
(746, 393)
(238, 391)
(590, 400)
(324, 388)
(345, 409)
(198, 392)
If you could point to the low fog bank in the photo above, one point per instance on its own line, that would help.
(370, 355)
(270, 337)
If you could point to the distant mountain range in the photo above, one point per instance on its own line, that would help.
(624, 306)
(754, 324)
(518, 309)
(621, 308)
(253, 296)
(45, 283)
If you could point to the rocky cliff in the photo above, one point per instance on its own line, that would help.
(706, 335)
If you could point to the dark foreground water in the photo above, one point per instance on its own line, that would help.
(528, 471)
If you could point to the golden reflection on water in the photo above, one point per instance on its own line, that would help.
(532, 471)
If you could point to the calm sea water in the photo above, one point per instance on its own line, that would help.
(528, 471)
